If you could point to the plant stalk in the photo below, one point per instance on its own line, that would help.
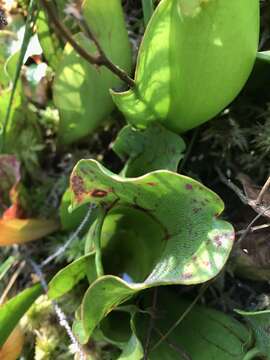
(97, 242)
(26, 38)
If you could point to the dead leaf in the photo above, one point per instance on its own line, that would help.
(260, 204)
(252, 259)
(9, 177)
(12, 348)
(20, 231)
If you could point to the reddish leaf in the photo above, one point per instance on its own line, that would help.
(9, 177)
(19, 231)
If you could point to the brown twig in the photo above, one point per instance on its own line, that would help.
(105, 61)
(254, 228)
(101, 59)
(247, 230)
(263, 191)
(233, 187)
(260, 208)
(11, 282)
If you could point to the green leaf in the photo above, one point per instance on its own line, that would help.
(181, 240)
(148, 9)
(16, 80)
(119, 330)
(51, 46)
(202, 335)
(13, 310)
(133, 349)
(71, 275)
(71, 221)
(194, 59)
(81, 91)
(78, 331)
(10, 43)
(260, 324)
(192, 244)
(6, 266)
(4, 103)
(152, 149)
(105, 294)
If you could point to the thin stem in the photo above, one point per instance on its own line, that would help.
(148, 9)
(66, 34)
(11, 282)
(151, 324)
(97, 241)
(99, 60)
(257, 217)
(104, 60)
(175, 347)
(59, 313)
(182, 317)
(73, 236)
(263, 191)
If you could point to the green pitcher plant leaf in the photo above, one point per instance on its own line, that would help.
(148, 10)
(70, 276)
(203, 334)
(13, 310)
(194, 59)
(145, 151)
(182, 240)
(133, 349)
(81, 91)
(51, 45)
(119, 330)
(260, 324)
(70, 221)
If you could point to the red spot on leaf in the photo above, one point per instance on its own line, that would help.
(77, 185)
(187, 276)
(151, 183)
(99, 193)
(218, 240)
(189, 187)
(206, 263)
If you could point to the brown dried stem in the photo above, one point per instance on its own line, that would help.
(101, 59)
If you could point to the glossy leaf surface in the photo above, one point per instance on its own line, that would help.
(70, 275)
(144, 151)
(13, 310)
(194, 59)
(183, 242)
